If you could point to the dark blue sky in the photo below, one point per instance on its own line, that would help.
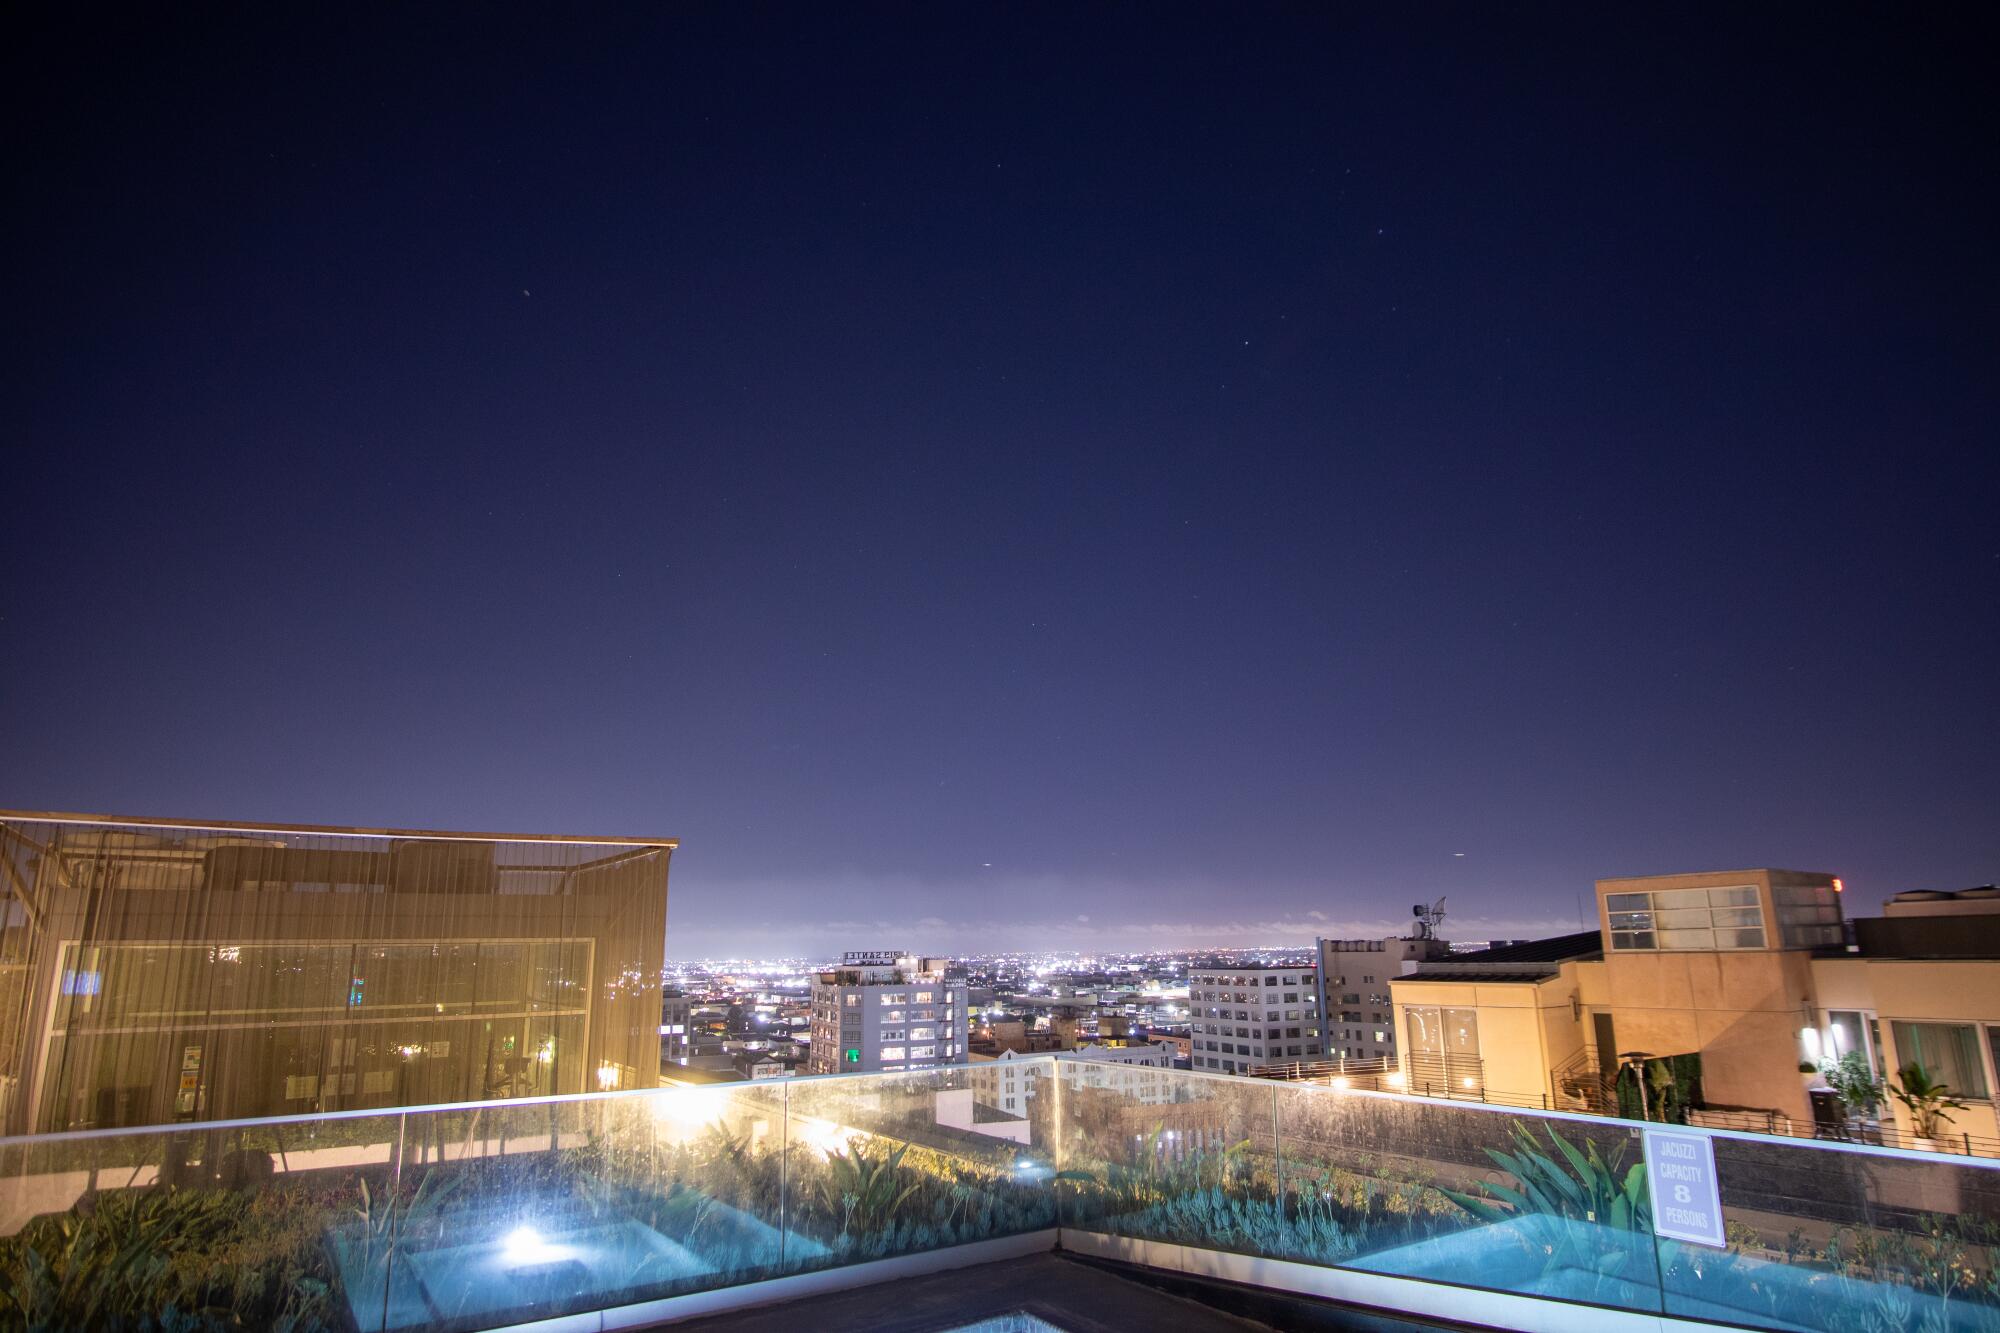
(1074, 475)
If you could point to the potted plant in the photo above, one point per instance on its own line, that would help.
(1853, 1081)
(1929, 1104)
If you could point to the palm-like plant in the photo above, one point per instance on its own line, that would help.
(1929, 1104)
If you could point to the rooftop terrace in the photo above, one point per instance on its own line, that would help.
(1318, 1207)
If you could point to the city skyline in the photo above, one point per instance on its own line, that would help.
(1146, 486)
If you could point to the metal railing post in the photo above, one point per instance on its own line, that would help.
(784, 1171)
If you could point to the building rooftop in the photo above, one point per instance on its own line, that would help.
(1536, 960)
(1555, 949)
(317, 830)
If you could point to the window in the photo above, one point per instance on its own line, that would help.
(1444, 1051)
(1808, 915)
(1686, 919)
(1846, 1032)
(1949, 1053)
(894, 1053)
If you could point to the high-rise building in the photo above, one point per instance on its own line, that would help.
(1354, 990)
(888, 1011)
(1251, 1014)
(154, 971)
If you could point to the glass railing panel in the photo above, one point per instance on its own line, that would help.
(887, 1164)
(505, 1213)
(1843, 1240)
(703, 1168)
(1188, 1159)
(486, 1222)
(1532, 1205)
(106, 1231)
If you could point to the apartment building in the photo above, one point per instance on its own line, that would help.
(1748, 970)
(1354, 990)
(1248, 1014)
(1131, 1069)
(157, 970)
(888, 1010)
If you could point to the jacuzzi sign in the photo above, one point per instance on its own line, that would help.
(1687, 1198)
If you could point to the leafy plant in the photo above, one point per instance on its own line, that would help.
(1251, 1226)
(1598, 1191)
(865, 1188)
(1854, 1080)
(1929, 1104)
(111, 1264)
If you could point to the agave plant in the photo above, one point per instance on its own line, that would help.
(863, 1188)
(386, 1220)
(1593, 1191)
(1598, 1191)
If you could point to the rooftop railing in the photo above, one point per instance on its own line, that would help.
(486, 1215)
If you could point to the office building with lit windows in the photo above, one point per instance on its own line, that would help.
(887, 1011)
(1246, 1015)
(155, 971)
(1354, 991)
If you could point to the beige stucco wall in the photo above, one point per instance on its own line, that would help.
(1525, 1029)
(1742, 1011)
(1918, 990)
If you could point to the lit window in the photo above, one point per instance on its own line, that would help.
(894, 1053)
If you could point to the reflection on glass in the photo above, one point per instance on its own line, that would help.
(501, 1213)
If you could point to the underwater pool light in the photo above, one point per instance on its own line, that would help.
(523, 1247)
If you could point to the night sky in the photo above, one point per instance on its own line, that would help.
(1012, 476)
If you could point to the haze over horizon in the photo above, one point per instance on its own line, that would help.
(1047, 477)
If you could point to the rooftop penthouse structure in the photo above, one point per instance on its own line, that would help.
(160, 971)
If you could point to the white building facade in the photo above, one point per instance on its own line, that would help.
(1137, 1071)
(887, 1011)
(1251, 1014)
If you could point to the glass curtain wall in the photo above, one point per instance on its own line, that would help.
(161, 973)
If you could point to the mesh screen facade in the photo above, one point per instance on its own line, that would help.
(154, 971)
